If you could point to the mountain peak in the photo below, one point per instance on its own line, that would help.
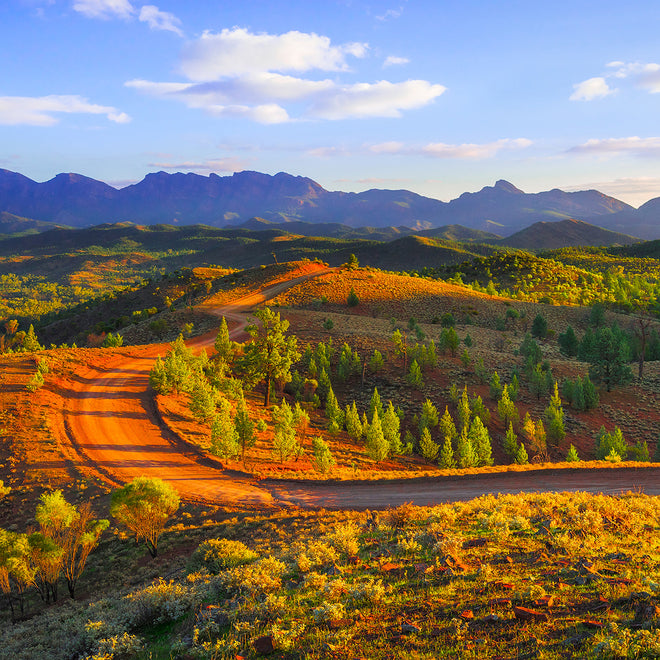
(505, 186)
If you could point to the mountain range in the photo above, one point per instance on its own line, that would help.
(184, 199)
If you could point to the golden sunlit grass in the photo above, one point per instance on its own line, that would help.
(553, 576)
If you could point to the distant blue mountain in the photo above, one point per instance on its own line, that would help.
(184, 199)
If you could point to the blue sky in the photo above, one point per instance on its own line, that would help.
(437, 97)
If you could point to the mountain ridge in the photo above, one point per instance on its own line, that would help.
(188, 198)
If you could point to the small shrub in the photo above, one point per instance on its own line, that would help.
(217, 555)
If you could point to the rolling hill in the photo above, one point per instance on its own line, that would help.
(565, 233)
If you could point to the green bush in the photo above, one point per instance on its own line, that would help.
(217, 555)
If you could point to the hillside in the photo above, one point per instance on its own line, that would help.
(12, 225)
(186, 199)
(565, 233)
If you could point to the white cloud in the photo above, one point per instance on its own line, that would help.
(393, 60)
(324, 99)
(381, 99)
(211, 165)
(452, 151)
(390, 13)
(592, 88)
(645, 76)
(240, 74)
(387, 148)
(104, 9)
(238, 51)
(160, 20)
(40, 111)
(631, 146)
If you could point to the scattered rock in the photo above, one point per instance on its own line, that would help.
(264, 645)
(525, 614)
(409, 628)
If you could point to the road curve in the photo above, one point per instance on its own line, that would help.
(111, 424)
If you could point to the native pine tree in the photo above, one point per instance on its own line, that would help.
(377, 447)
(427, 446)
(391, 429)
(285, 442)
(572, 455)
(352, 421)
(480, 439)
(376, 361)
(270, 354)
(510, 442)
(414, 377)
(446, 459)
(202, 399)
(608, 352)
(506, 408)
(333, 412)
(465, 454)
(447, 426)
(464, 412)
(554, 418)
(224, 437)
(428, 418)
(375, 404)
(323, 458)
(495, 387)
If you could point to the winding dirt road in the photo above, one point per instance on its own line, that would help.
(113, 430)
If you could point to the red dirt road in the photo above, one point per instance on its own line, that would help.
(114, 431)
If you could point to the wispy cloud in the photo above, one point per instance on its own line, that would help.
(633, 190)
(239, 74)
(391, 14)
(393, 60)
(632, 146)
(43, 110)
(211, 165)
(160, 20)
(104, 9)
(452, 151)
(124, 10)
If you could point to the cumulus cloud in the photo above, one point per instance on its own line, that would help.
(104, 9)
(238, 51)
(452, 151)
(393, 60)
(640, 75)
(43, 110)
(236, 73)
(590, 89)
(632, 146)
(322, 99)
(160, 20)
(381, 99)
